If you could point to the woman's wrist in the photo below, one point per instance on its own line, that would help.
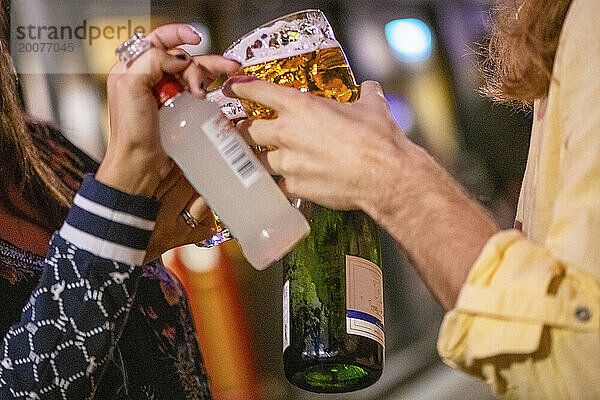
(133, 172)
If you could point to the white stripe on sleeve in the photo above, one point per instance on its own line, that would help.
(102, 248)
(113, 215)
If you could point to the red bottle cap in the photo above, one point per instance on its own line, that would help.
(166, 89)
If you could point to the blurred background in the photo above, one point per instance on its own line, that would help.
(425, 53)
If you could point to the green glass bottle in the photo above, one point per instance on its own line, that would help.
(333, 303)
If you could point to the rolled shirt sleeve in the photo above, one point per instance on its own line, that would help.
(526, 323)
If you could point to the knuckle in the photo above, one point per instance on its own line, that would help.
(118, 81)
(113, 78)
(156, 57)
(303, 101)
(177, 51)
(289, 164)
(291, 185)
(285, 164)
(253, 131)
(274, 135)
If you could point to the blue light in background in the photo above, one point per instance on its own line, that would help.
(410, 38)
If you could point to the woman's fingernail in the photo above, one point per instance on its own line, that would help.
(235, 80)
(199, 34)
(181, 56)
(201, 95)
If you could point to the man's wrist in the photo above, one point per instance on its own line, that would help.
(441, 228)
(387, 184)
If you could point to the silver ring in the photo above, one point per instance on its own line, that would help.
(133, 48)
(189, 219)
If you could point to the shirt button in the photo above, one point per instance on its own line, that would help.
(583, 314)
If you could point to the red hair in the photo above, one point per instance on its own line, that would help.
(521, 49)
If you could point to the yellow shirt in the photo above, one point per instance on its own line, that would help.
(527, 319)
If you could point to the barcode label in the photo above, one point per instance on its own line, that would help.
(234, 150)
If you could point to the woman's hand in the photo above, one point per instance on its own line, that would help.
(332, 153)
(135, 161)
(171, 230)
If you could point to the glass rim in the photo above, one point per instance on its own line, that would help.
(273, 21)
(297, 15)
(290, 15)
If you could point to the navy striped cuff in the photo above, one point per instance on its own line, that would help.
(109, 223)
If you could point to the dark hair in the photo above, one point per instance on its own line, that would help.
(521, 49)
(21, 160)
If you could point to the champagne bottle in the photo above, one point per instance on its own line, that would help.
(333, 303)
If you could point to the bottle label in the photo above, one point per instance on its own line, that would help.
(234, 150)
(286, 315)
(364, 299)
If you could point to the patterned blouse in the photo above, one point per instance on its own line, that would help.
(89, 321)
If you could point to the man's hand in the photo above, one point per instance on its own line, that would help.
(350, 156)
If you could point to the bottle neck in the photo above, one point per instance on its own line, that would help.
(166, 90)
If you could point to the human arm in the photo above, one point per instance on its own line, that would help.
(527, 317)
(352, 156)
(135, 161)
(72, 323)
(70, 326)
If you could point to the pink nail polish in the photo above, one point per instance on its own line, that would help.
(235, 80)
(199, 34)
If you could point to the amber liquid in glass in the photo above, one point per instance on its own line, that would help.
(323, 72)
